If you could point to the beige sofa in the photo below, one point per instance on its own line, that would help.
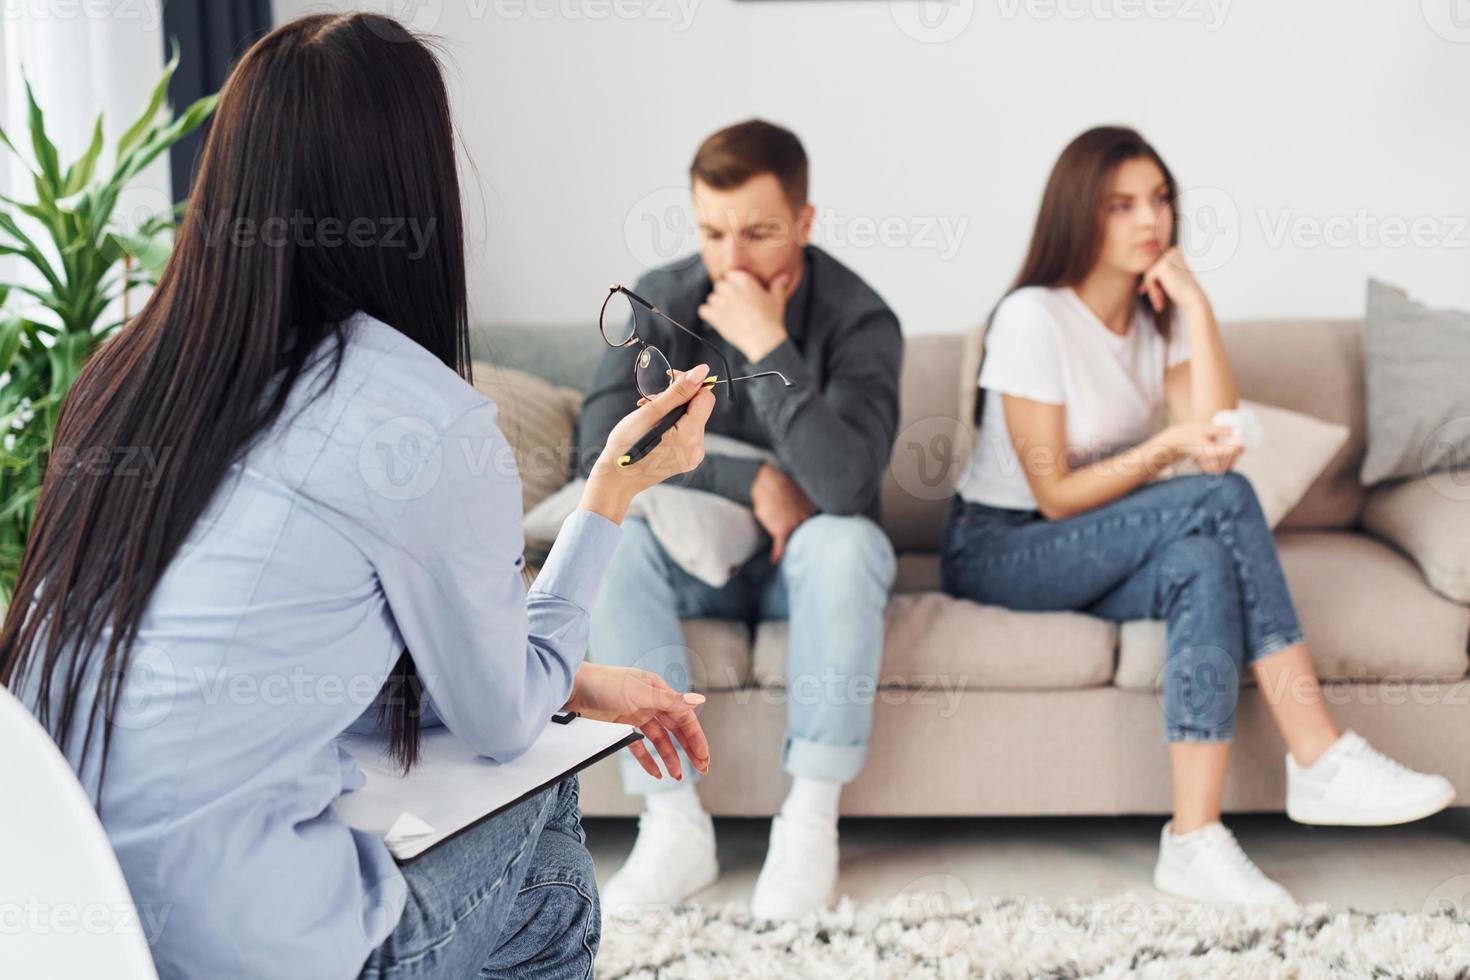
(986, 711)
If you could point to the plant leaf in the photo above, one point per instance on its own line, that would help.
(12, 332)
(165, 137)
(150, 251)
(5, 138)
(45, 150)
(79, 173)
(141, 125)
(31, 253)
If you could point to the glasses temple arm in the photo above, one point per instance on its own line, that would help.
(751, 377)
(712, 348)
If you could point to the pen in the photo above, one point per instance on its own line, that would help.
(646, 444)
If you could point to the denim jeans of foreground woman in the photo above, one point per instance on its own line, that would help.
(1194, 550)
(515, 896)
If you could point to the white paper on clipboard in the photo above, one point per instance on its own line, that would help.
(451, 788)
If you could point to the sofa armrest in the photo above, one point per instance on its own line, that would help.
(1429, 519)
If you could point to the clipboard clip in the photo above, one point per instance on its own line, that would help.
(565, 717)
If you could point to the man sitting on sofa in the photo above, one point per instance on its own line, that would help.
(769, 302)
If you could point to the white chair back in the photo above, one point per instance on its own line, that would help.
(65, 910)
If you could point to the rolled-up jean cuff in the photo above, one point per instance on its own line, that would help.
(1174, 733)
(819, 760)
(1275, 643)
(637, 781)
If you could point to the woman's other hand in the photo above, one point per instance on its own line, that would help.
(630, 696)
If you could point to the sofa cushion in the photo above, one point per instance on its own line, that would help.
(1366, 610)
(537, 418)
(918, 571)
(719, 654)
(1293, 451)
(1418, 404)
(719, 650)
(938, 643)
(1430, 519)
(932, 450)
(1268, 358)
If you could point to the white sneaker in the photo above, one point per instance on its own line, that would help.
(800, 870)
(1207, 865)
(1353, 784)
(673, 858)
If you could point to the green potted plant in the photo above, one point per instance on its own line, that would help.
(85, 261)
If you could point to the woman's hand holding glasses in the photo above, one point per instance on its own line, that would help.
(611, 487)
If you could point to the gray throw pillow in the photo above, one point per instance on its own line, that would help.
(1417, 367)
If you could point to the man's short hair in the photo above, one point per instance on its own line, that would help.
(737, 153)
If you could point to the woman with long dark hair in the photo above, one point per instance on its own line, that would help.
(1105, 329)
(332, 526)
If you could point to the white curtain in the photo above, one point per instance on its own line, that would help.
(82, 57)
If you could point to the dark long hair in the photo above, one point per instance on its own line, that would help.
(1068, 235)
(329, 126)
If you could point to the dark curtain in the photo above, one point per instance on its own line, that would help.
(211, 34)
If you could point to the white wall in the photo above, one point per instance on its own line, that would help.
(1321, 141)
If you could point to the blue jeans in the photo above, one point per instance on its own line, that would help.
(1195, 551)
(515, 896)
(832, 584)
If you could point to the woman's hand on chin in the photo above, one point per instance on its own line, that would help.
(641, 698)
(1169, 279)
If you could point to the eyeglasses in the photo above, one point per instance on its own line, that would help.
(651, 370)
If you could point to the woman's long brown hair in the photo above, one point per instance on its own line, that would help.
(328, 118)
(1068, 236)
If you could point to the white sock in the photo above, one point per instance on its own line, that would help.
(813, 798)
(1193, 835)
(681, 799)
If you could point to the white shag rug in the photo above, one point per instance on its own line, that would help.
(928, 935)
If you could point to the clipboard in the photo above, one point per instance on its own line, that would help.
(451, 789)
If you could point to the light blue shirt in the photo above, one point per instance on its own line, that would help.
(385, 513)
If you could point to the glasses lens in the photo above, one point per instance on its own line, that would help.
(652, 372)
(618, 321)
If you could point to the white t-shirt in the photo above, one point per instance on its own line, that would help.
(1046, 345)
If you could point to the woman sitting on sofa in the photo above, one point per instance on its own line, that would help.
(1104, 329)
